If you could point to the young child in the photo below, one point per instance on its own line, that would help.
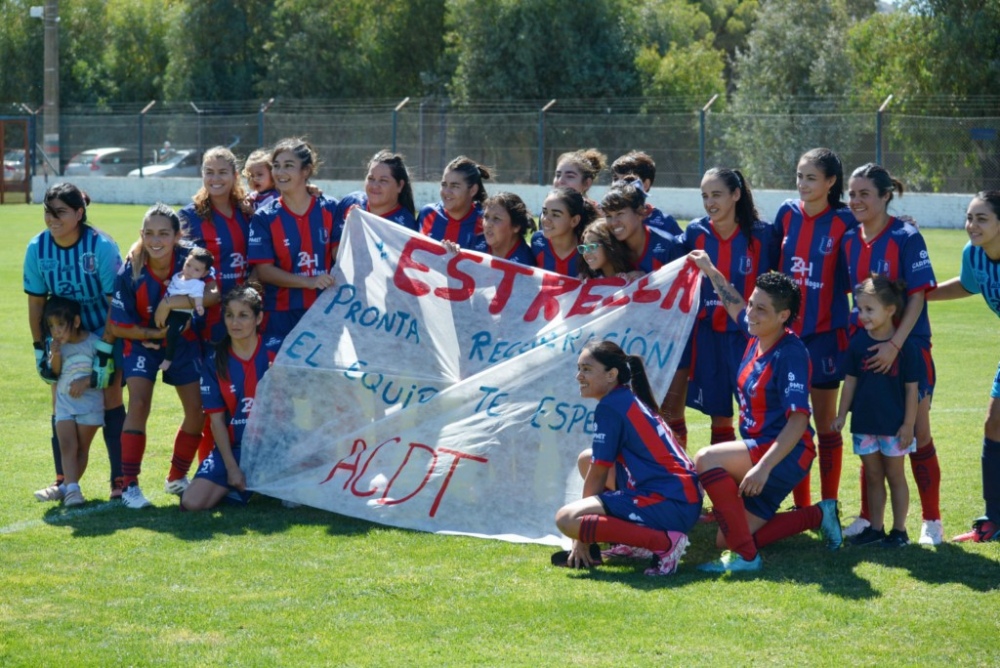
(883, 408)
(79, 407)
(190, 281)
(257, 172)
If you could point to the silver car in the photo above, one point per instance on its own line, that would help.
(102, 162)
(183, 162)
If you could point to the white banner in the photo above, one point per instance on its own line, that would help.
(437, 392)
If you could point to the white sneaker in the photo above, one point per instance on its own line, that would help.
(931, 533)
(176, 486)
(73, 498)
(50, 493)
(133, 497)
(856, 527)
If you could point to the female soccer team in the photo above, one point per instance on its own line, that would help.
(772, 331)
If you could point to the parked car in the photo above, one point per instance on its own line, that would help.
(183, 162)
(13, 165)
(102, 162)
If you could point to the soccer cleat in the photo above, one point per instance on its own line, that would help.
(51, 493)
(830, 524)
(931, 533)
(665, 563)
(176, 486)
(622, 551)
(133, 497)
(73, 498)
(116, 489)
(896, 538)
(868, 537)
(730, 562)
(983, 530)
(857, 526)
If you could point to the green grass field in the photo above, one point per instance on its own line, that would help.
(268, 586)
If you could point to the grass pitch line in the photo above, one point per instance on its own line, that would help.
(62, 517)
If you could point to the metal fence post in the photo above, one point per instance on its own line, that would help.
(541, 142)
(142, 116)
(260, 121)
(878, 130)
(701, 134)
(395, 120)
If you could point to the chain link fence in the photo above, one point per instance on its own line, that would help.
(522, 143)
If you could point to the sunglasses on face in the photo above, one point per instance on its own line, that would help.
(583, 249)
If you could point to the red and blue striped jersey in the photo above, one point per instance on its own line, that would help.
(659, 250)
(661, 221)
(771, 385)
(897, 252)
(84, 272)
(399, 215)
(135, 299)
(547, 258)
(520, 253)
(435, 222)
(303, 245)
(630, 434)
(810, 254)
(738, 259)
(263, 198)
(236, 396)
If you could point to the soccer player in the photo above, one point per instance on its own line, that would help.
(636, 164)
(218, 220)
(293, 240)
(810, 230)
(565, 212)
(505, 222)
(458, 217)
(229, 380)
(602, 255)
(895, 249)
(742, 246)
(747, 479)
(578, 170)
(624, 207)
(138, 311)
(74, 260)
(981, 274)
(659, 499)
(388, 192)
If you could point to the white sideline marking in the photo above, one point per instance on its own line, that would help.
(58, 519)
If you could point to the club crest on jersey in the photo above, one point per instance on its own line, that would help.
(88, 262)
(324, 236)
(746, 265)
(882, 267)
(826, 245)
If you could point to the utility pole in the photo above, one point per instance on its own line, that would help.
(50, 130)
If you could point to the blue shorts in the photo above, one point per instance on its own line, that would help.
(714, 369)
(826, 353)
(889, 446)
(995, 392)
(213, 469)
(783, 479)
(143, 362)
(277, 325)
(651, 510)
(685, 361)
(928, 374)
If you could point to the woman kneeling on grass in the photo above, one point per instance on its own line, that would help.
(659, 498)
(748, 479)
(229, 380)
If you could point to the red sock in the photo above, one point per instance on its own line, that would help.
(207, 442)
(831, 460)
(605, 529)
(185, 447)
(927, 474)
(680, 429)
(800, 494)
(864, 496)
(133, 448)
(729, 511)
(788, 524)
(723, 435)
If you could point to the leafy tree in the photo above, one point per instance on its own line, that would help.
(136, 55)
(21, 52)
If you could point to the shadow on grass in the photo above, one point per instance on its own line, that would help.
(262, 516)
(803, 560)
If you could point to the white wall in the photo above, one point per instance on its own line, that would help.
(683, 203)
